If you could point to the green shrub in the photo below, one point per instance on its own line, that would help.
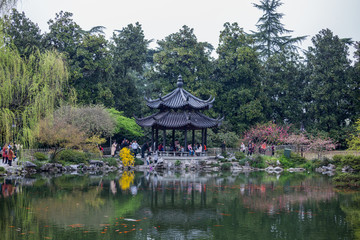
(240, 155)
(337, 159)
(347, 180)
(285, 162)
(223, 160)
(177, 163)
(352, 161)
(71, 156)
(258, 162)
(110, 161)
(226, 166)
(40, 156)
(2, 169)
(138, 162)
(295, 160)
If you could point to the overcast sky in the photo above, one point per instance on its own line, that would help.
(160, 18)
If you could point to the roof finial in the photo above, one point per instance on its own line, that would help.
(180, 82)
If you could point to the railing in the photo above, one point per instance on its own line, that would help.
(180, 154)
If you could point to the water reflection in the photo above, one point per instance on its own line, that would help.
(188, 205)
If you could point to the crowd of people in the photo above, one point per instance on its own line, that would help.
(262, 148)
(8, 153)
(136, 148)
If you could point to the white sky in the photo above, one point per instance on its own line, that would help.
(159, 18)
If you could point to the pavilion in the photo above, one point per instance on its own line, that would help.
(179, 110)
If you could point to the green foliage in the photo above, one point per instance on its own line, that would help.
(295, 160)
(354, 141)
(327, 77)
(352, 161)
(110, 161)
(125, 127)
(239, 155)
(283, 77)
(138, 162)
(129, 48)
(24, 34)
(71, 156)
(30, 90)
(239, 92)
(217, 136)
(177, 163)
(225, 166)
(181, 53)
(347, 180)
(270, 37)
(40, 156)
(258, 162)
(2, 169)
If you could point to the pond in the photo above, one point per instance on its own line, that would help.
(192, 205)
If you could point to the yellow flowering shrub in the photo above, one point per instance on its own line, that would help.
(126, 180)
(127, 157)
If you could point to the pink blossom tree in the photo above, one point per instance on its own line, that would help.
(320, 145)
(269, 133)
(301, 141)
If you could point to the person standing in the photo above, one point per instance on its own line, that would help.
(113, 149)
(144, 147)
(135, 147)
(10, 156)
(250, 148)
(4, 154)
(242, 147)
(223, 148)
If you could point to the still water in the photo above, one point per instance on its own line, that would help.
(177, 206)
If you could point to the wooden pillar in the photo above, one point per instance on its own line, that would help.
(164, 139)
(173, 138)
(206, 137)
(193, 138)
(203, 137)
(185, 138)
(156, 139)
(152, 139)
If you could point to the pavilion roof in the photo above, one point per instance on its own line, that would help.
(178, 120)
(180, 99)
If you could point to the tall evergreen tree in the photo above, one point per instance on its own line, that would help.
(240, 93)
(129, 50)
(327, 96)
(270, 36)
(283, 80)
(23, 33)
(181, 53)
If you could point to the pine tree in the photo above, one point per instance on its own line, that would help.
(270, 36)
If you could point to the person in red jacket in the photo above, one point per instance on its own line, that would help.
(10, 156)
(5, 154)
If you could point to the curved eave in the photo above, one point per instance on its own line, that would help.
(180, 99)
(173, 120)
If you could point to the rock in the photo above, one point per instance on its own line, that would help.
(28, 164)
(269, 169)
(347, 169)
(220, 157)
(232, 158)
(296, 169)
(278, 169)
(96, 163)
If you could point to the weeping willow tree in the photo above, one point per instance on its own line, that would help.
(30, 89)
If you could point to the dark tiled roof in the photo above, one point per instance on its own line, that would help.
(178, 120)
(180, 98)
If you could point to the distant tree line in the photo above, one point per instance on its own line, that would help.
(256, 77)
